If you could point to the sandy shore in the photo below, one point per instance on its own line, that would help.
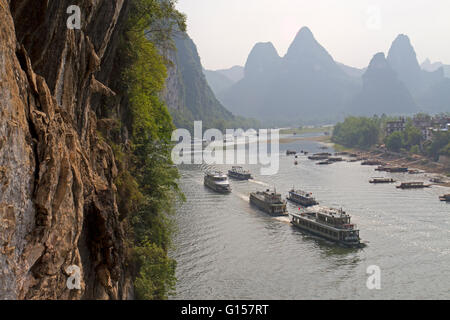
(318, 139)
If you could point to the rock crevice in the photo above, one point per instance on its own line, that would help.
(58, 203)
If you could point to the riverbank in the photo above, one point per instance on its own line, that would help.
(300, 131)
(411, 161)
(322, 139)
(403, 228)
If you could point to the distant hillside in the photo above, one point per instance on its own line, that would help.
(222, 80)
(308, 86)
(431, 90)
(352, 71)
(427, 65)
(382, 92)
(235, 73)
(189, 96)
(303, 86)
(218, 81)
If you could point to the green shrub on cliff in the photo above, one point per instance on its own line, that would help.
(147, 180)
(156, 278)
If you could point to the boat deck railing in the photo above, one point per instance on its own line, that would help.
(350, 227)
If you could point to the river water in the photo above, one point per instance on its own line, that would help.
(227, 249)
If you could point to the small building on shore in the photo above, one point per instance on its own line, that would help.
(395, 126)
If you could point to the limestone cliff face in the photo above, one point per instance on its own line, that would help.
(57, 196)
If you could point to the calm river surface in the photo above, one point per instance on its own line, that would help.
(227, 249)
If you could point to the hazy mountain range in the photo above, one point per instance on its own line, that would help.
(222, 80)
(427, 65)
(308, 85)
(189, 96)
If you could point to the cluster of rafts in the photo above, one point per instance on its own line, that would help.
(326, 158)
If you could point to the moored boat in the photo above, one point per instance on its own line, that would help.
(413, 185)
(328, 223)
(436, 180)
(326, 162)
(217, 181)
(396, 169)
(291, 152)
(372, 163)
(445, 197)
(239, 173)
(335, 159)
(302, 198)
(319, 156)
(382, 180)
(269, 202)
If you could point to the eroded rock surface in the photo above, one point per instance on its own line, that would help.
(57, 196)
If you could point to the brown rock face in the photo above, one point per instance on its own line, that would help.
(57, 197)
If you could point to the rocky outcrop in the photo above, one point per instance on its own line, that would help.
(262, 59)
(403, 60)
(188, 95)
(430, 89)
(382, 91)
(57, 194)
(303, 86)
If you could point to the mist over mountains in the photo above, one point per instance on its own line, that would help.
(429, 66)
(382, 91)
(189, 96)
(308, 86)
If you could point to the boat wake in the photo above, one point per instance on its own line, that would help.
(283, 219)
(242, 197)
(259, 182)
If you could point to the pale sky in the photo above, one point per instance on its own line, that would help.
(351, 30)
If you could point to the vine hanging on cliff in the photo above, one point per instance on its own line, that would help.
(147, 182)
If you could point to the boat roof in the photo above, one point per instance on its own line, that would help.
(417, 182)
(301, 192)
(268, 192)
(299, 215)
(239, 169)
(216, 174)
(331, 212)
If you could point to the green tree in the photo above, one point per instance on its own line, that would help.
(357, 132)
(395, 141)
(156, 280)
(412, 136)
(415, 149)
(147, 180)
(438, 145)
(446, 150)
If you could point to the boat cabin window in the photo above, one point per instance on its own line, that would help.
(220, 178)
